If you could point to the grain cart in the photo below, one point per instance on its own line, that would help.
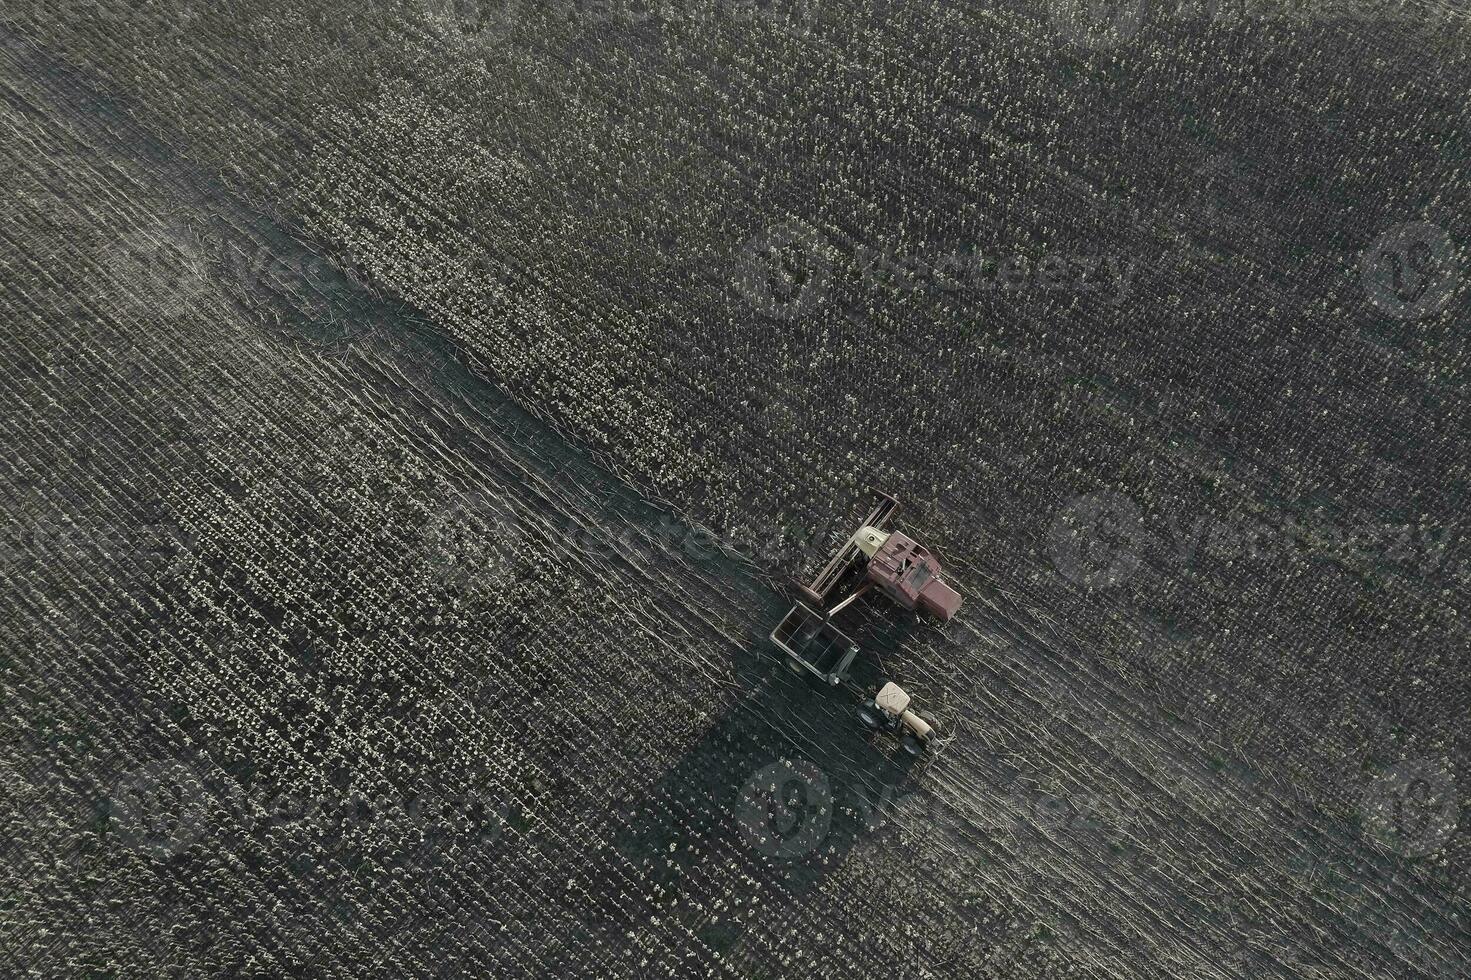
(895, 566)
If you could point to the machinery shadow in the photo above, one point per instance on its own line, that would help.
(771, 799)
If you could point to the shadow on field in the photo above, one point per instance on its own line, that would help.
(769, 802)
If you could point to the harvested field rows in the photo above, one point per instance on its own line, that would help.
(449, 693)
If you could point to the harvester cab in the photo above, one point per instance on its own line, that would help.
(907, 573)
(899, 568)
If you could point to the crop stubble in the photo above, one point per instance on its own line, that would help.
(573, 221)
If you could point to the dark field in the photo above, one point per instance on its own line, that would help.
(415, 413)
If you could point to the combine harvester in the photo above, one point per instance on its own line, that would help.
(899, 568)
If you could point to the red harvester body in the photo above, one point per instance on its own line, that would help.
(907, 573)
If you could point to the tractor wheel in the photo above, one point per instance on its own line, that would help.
(871, 716)
(914, 745)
